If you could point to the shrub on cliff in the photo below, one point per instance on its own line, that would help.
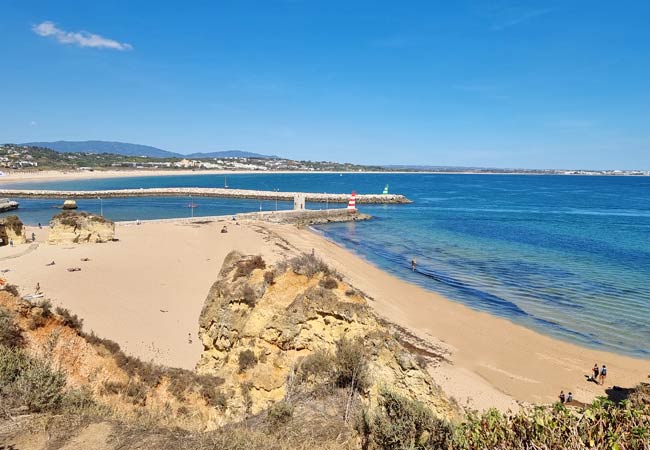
(279, 414)
(246, 266)
(247, 359)
(351, 364)
(308, 265)
(72, 218)
(400, 423)
(70, 320)
(328, 283)
(12, 289)
(28, 382)
(10, 334)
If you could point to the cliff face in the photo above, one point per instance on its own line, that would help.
(12, 229)
(261, 326)
(70, 227)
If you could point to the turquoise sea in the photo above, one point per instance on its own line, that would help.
(565, 255)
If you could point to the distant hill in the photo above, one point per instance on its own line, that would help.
(230, 154)
(126, 149)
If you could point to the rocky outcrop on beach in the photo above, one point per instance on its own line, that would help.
(75, 228)
(69, 204)
(269, 331)
(12, 230)
(8, 205)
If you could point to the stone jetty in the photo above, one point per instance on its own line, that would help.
(206, 192)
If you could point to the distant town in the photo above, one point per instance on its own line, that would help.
(27, 158)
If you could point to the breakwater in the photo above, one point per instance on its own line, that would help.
(206, 192)
(305, 217)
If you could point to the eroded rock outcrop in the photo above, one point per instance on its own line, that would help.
(12, 230)
(260, 324)
(79, 227)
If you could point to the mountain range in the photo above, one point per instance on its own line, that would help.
(126, 149)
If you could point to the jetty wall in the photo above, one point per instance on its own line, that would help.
(205, 192)
(303, 217)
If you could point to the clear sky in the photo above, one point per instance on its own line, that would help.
(501, 83)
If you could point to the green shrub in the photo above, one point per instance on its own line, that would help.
(10, 334)
(247, 359)
(317, 366)
(249, 297)
(279, 414)
(70, 320)
(309, 265)
(351, 364)
(269, 277)
(12, 289)
(39, 314)
(400, 423)
(328, 283)
(28, 382)
(246, 266)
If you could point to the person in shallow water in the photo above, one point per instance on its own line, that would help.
(414, 264)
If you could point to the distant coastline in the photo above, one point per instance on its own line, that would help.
(19, 176)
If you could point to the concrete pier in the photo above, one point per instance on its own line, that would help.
(205, 192)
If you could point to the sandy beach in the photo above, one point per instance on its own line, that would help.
(146, 292)
(58, 175)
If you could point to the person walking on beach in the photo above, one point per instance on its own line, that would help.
(33, 237)
(562, 397)
(603, 374)
(414, 264)
(595, 372)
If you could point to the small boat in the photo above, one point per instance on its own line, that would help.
(225, 182)
(192, 205)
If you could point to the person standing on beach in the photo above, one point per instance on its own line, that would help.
(562, 397)
(603, 374)
(595, 372)
(569, 398)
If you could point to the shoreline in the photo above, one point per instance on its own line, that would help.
(56, 175)
(129, 292)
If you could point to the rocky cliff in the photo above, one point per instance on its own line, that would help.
(270, 331)
(12, 229)
(80, 227)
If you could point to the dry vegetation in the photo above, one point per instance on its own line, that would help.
(71, 218)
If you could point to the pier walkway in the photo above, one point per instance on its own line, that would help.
(205, 192)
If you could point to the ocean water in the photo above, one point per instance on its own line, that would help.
(566, 256)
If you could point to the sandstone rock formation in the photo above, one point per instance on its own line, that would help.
(72, 227)
(12, 229)
(259, 325)
(70, 204)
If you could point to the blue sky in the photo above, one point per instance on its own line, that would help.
(546, 84)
